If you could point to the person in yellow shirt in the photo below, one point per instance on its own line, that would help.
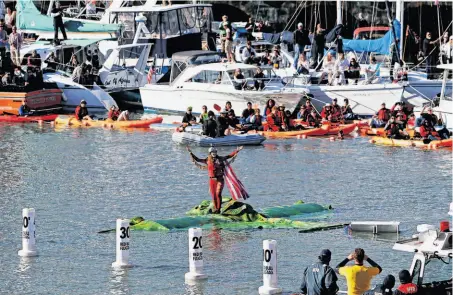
(358, 276)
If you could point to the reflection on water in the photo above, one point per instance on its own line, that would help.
(119, 283)
(195, 287)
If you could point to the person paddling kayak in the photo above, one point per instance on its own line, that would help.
(218, 170)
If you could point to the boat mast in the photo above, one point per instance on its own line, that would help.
(400, 17)
(387, 5)
(339, 13)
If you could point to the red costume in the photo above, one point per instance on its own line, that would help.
(272, 122)
(216, 166)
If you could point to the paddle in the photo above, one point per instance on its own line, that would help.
(9, 114)
(217, 107)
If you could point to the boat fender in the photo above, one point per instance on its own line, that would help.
(332, 138)
(86, 124)
(52, 123)
(372, 141)
(111, 126)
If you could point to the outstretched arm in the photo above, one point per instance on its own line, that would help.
(234, 154)
(197, 160)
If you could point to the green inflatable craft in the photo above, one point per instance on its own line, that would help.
(237, 215)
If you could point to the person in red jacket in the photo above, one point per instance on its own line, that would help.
(113, 113)
(274, 122)
(406, 287)
(427, 131)
(326, 113)
(215, 165)
(336, 111)
(81, 111)
(381, 118)
(314, 119)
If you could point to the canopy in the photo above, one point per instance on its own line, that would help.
(381, 45)
(30, 19)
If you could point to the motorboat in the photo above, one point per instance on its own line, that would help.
(197, 78)
(431, 265)
(187, 138)
(43, 100)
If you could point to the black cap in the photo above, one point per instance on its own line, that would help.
(405, 276)
(325, 253)
(389, 282)
(335, 99)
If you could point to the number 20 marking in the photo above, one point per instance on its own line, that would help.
(197, 244)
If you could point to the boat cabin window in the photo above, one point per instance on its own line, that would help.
(170, 27)
(259, 48)
(210, 77)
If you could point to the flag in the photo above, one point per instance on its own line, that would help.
(235, 186)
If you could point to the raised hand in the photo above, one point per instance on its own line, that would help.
(240, 148)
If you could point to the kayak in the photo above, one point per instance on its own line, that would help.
(381, 132)
(187, 138)
(323, 130)
(28, 119)
(411, 142)
(347, 129)
(237, 215)
(72, 121)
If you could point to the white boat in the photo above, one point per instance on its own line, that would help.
(187, 138)
(193, 81)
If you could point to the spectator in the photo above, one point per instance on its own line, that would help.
(319, 278)
(383, 289)
(354, 70)
(57, 15)
(222, 32)
(301, 40)
(371, 71)
(250, 28)
(259, 79)
(317, 47)
(52, 61)
(302, 65)
(429, 53)
(249, 54)
(228, 38)
(328, 68)
(358, 276)
(15, 43)
(3, 41)
(406, 287)
(276, 58)
(10, 18)
(18, 77)
(34, 60)
(341, 67)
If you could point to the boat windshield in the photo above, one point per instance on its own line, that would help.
(436, 270)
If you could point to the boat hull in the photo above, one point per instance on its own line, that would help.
(186, 138)
(73, 122)
(28, 119)
(36, 100)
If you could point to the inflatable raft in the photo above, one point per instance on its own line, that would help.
(72, 121)
(411, 142)
(187, 138)
(28, 119)
(238, 215)
(172, 127)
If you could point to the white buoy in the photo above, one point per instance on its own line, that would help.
(195, 255)
(122, 243)
(269, 269)
(28, 233)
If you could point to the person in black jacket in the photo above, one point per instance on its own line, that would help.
(383, 289)
(57, 15)
(301, 40)
(188, 118)
(222, 124)
(210, 125)
(319, 278)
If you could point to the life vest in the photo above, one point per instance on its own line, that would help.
(392, 129)
(216, 167)
(409, 288)
(326, 113)
(312, 121)
(384, 115)
(271, 124)
(336, 113)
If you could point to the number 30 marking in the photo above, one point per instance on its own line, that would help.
(125, 232)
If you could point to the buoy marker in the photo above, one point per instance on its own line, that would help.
(195, 255)
(122, 243)
(28, 233)
(269, 286)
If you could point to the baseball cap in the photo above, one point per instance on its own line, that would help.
(325, 253)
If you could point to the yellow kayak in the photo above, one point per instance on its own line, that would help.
(72, 121)
(411, 142)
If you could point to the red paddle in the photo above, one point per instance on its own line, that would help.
(217, 107)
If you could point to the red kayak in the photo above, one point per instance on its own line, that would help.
(347, 129)
(28, 119)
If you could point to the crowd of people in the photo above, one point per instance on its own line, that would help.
(399, 119)
(320, 278)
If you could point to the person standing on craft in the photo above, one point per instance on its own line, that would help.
(58, 22)
(301, 40)
(218, 170)
(15, 43)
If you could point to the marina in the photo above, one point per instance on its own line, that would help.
(219, 147)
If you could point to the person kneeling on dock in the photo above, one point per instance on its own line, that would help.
(383, 289)
(319, 278)
(81, 111)
(358, 276)
(406, 287)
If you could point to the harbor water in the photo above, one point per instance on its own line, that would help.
(81, 180)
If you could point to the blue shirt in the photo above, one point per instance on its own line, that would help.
(23, 110)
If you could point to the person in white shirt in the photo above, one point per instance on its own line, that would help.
(341, 65)
(445, 49)
(249, 54)
(124, 116)
(9, 18)
(2, 9)
(328, 67)
(371, 70)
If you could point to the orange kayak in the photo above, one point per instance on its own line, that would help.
(411, 143)
(72, 121)
(347, 129)
(323, 130)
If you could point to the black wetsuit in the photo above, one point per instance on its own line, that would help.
(210, 127)
(188, 118)
(222, 125)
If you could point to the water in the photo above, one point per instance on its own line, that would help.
(81, 180)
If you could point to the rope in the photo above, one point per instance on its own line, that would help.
(256, 15)
(435, 47)
(295, 14)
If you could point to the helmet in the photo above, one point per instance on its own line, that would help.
(212, 150)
